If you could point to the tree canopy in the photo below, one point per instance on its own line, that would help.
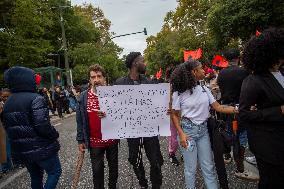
(212, 25)
(31, 32)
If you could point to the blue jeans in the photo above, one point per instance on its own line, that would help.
(241, 132)
(8, 165)
(51, 166)
(201, 151)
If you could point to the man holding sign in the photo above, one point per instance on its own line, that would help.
(135, 64)
(89, 136)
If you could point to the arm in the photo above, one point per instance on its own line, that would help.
(40, 119)
(250, 93)
(79, 121)
(223, 108)
(176, 122)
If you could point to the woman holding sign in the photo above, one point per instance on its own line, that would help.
(191, 105)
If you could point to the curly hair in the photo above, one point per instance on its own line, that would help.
(264, 52)
(130, 58)
(182, 78)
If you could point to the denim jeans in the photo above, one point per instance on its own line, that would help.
(8, 165)
(51, 166)
(201, 152)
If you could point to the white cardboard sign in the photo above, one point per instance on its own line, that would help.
(134, 111)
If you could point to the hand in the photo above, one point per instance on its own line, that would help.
(236, 110)
(169, 111)
(282, 109)
(253, 108)
(183, 140)
(101, 114)
(82, 147)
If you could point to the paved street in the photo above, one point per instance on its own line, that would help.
(173, 176)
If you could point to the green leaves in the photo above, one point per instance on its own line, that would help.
(211, 25)
(31, 30)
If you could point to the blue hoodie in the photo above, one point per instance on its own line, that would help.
(26, 118)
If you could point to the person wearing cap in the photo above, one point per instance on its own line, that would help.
(191, 105)
(135, 63)
(34, 141)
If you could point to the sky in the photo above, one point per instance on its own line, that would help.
(129, 16)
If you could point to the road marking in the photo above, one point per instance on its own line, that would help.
(12, 177)
(57, 124)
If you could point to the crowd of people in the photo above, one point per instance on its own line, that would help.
(212, 116)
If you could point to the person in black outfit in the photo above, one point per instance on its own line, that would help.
(135, 64)
(264, 89)
(34, 141)
(230, 81)
(59, 100)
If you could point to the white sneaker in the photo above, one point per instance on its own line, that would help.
(251, 160)
(247, 175)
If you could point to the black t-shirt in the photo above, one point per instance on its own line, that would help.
(230, 82)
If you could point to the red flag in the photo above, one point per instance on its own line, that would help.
(159, 74)
(196, 54)
(220, 61)
(37, 79)
(257, 33)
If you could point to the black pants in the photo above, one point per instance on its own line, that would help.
(153, 153)
(271, 176)
(59, 108)
(97, 160)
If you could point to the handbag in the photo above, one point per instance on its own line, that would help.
(216, 125)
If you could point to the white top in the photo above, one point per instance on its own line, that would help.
(279, 77)
(194, 106)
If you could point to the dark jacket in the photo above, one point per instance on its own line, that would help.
(266, 125)
(128, 81)
(83, 131)
(26, 118)
(230, 82)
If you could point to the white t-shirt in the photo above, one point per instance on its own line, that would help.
(194, 106)
(279, 77)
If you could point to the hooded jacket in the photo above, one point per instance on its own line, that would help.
(26, 118)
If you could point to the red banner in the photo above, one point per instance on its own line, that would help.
(220, 62)
(159, 74)
(195, 54)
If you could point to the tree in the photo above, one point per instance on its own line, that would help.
(30, 30)
(184, 28)
(26, 45)
(239, 19)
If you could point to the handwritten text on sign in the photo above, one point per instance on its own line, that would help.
(134, 111)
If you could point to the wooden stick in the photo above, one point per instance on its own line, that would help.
(79, 164)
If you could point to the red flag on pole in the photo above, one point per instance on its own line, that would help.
(257, 33)
(196, 54)
(37, 79)
(159, 74)
(220, 62)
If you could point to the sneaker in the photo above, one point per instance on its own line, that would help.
(251, 160)
(247, 175)
(174, 160)
(227, 158)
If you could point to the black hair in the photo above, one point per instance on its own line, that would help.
(130, 58)
(182, 78)
(231, 54)
(264, 52)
